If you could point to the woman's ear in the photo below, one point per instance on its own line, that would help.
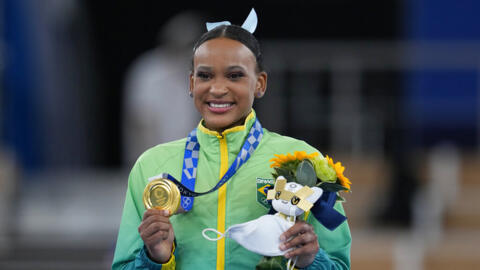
(191, 82)
(261, 85)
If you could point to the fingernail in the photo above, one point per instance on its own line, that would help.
(282, 237)
(165, 212)
(282, 246)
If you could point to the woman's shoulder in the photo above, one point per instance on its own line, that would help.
(284, 143)
(164, 151)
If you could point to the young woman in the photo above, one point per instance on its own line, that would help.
(227, 75)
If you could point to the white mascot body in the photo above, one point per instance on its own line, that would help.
(262, 235)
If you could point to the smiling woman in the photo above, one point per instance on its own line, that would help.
(229, 144)
(224, 82)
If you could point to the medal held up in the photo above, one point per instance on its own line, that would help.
(164, 192)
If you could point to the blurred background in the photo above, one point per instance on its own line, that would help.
(390, 88)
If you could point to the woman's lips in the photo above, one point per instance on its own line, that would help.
(219, 107)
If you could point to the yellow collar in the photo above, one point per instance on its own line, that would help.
(205, 130)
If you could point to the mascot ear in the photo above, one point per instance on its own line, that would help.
(317, 193)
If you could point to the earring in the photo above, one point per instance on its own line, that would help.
(190, 93)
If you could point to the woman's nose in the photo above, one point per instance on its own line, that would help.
(218, 89)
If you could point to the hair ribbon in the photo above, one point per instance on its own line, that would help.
(250, 23)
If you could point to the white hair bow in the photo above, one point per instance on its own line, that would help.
(250, 24)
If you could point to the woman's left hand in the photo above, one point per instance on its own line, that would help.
(304, 243)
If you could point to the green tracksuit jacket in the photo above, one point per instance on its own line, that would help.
(240, 200)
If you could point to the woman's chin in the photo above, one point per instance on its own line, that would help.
(218, 126)
(221, 122)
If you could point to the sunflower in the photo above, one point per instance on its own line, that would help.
(344, 181)
(297, 156)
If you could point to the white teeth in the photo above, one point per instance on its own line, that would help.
(221, 105)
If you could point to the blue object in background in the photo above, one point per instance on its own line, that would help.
(442, 20)
(442, 105)
(19, 111)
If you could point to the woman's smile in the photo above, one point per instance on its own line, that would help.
(220, 106)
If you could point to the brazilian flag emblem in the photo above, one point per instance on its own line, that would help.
(263, 183)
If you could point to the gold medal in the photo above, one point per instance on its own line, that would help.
(162, 194)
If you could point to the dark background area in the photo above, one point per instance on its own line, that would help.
(122, 30)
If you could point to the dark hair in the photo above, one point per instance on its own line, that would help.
(237, 33)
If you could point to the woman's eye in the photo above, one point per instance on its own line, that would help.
(203, 75)
(235, 75)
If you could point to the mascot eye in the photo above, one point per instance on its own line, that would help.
(295, 200)
(277, 195)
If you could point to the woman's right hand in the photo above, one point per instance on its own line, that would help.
(157, 233)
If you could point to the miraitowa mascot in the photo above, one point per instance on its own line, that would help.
(289, 200)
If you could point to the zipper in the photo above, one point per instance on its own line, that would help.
(222, 201)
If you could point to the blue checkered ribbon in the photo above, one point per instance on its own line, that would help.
(189, 169)
(190, 163)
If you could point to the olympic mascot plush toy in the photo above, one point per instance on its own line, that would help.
(298, 188)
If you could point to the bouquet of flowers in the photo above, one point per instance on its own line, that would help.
(311, 170)
(307, 170)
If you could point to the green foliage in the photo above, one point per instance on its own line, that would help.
(272, 263)
(334, 187)
(286, 172)
(291, 165)
(305, 173)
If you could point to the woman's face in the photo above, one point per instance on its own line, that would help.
(224, 82)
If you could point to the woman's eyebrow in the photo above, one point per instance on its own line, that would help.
(230, 68)
(204, 68)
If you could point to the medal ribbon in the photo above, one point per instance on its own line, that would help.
(190, 163)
